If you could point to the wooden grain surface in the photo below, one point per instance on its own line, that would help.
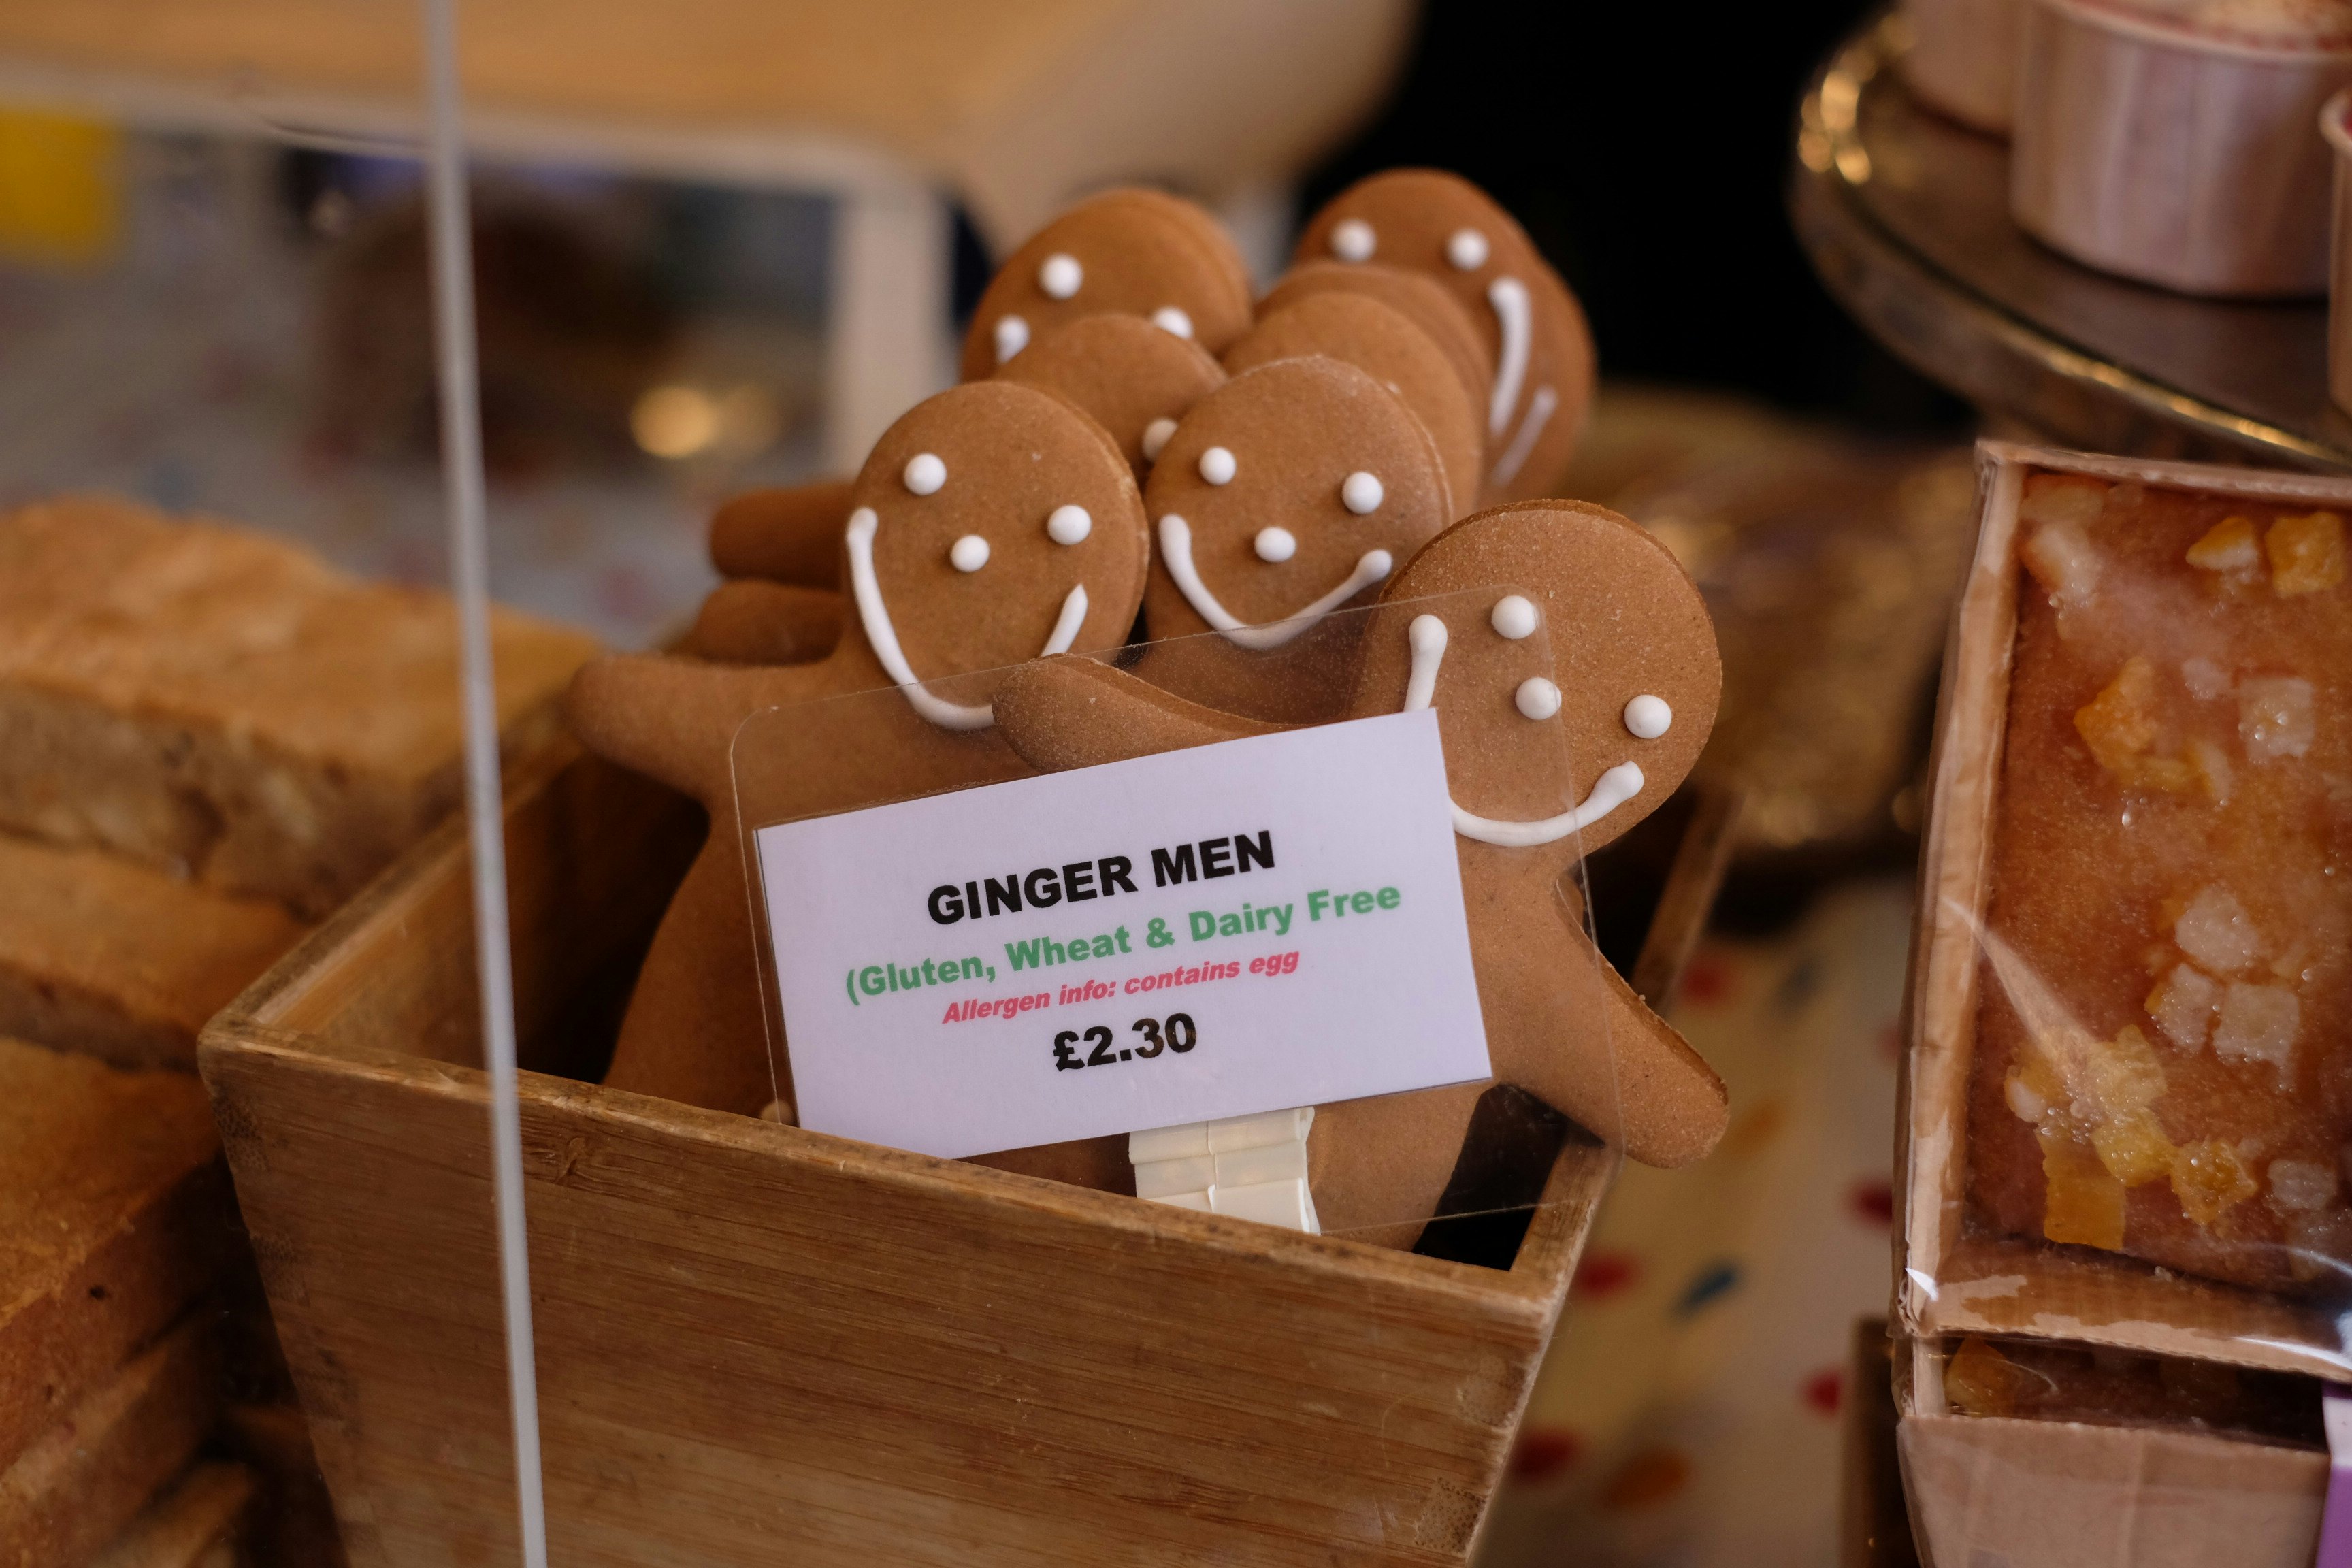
(760, 1344)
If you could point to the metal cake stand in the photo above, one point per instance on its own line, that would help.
(1905, 217)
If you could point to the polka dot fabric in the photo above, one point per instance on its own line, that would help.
(1688, 1413)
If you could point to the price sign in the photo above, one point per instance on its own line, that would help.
(1251, 926)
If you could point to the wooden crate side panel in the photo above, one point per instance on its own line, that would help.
(758, 1345)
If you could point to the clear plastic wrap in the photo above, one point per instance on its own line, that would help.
(2127, 1097)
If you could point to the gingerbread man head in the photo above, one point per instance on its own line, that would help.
(992, 523)
(1443, 226)
(1125, 252)
(1130, 377)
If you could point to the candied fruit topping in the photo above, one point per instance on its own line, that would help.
(2205, 680)
(2134, 1148)
(2216, 932)
(2301, 1184)
(2207, 1178)
(2228, 546)
(2213, 769)
(1981, 1381)
(2083, 1201)
(2119, 723)
(2066, 563)
(2307, 554)
(2275, 717)
(2259, 1022)
(2182, 1005)
(2062, 498)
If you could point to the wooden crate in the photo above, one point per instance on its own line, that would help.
(762, 1345)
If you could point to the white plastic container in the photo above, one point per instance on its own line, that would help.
(2336, 124)
(2153, 142)
(1963, 59)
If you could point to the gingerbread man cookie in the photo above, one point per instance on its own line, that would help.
(1126, 252)
(1379, 339)
(1425, 301)
(993, 523)
(1288, 493)
(1444, 226)
(781, 551)
(1631, 687)
(1130, 377)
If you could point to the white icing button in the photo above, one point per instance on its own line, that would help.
(1068, 525)
(1169, 319)
(969, 553)
(1467, 249)
(1536, 698)
(1155, 438)
(1352, 239)
(1012, 337)
(1649, 716)
(925, 473)
(1360, 493)
(1217, 466)
(1515, 618)
(1060, 276)
(1274, 545)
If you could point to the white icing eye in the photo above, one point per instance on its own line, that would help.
(1217, 466)
(925, 473)
(969, 553)
(1068, 525)
(1274, 545)
(1536, 698)
(1169, 319)
(1515, 618)
(1467, 249)
(1012, 337)
(1352, 239)
(1155, 438)
(1360, 493)
(1059, 275)
(1649, 716)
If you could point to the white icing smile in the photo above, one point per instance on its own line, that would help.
(874, 615)
(1612, 789)
(1514, 312)
(1176, 551)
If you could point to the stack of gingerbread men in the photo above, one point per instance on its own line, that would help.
(1139, 454)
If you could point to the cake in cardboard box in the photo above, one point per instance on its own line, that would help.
(2164, 1056)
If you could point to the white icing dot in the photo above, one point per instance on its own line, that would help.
(1217, 466)
(1068, 525)
(1352, 239)
(1536, 698)
(1274, 545)
(1155, 438)
(1169, 319)
(925, 473)
(969, 553)
(1649, 716)
(1059, 275)
(1012, 337)
(1467, 249)
(1360, 493)
(1515, 618)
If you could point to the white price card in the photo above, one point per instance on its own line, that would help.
(1250, 926)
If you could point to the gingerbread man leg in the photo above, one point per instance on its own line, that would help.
(695, 1031)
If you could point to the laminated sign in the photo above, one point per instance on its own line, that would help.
(1261, 924)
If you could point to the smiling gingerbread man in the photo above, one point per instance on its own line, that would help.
(993, 523)
(1444, 226)
(1549, 756)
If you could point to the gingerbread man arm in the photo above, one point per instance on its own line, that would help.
(751, 621)
(788, 535)
(1070, 712)
(675, 719)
